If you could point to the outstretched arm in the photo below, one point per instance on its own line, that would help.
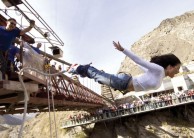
(135, 58)
(25, 30)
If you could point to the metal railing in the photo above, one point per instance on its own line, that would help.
(115, 114)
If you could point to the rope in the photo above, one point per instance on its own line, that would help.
(47, 89)
(26, 96)
(54, 115)
(53, 108)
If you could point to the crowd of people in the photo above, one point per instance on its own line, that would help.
(148, 103)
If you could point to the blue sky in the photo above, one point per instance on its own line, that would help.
(88, 27)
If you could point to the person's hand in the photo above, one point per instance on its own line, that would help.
(118, 46)
(32, 23)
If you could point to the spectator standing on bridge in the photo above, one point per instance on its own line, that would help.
(37, 48)
(154, 72)
(8, 34)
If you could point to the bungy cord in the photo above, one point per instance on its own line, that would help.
(26, 97)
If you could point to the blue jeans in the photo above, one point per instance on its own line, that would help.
(118, 81)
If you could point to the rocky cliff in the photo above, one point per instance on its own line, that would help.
(175, 35)
(172, 123)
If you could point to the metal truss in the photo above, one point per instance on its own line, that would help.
(26, 12)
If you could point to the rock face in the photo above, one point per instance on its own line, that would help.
(171, 123)
(174, 35)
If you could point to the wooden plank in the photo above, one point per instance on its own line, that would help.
(10, 100)
(17, 86)
(14, 77)
(36, 79)
(57, 59)
(7, 87)
(41, 105)
(4, 91)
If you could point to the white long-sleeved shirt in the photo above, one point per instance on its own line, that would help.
(152, 76)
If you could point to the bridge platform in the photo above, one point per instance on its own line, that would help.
(120, 113)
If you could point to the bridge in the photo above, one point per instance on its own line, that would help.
(63, 91)
(68, 94)
(109, 115)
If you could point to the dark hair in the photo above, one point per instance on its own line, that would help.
(11, 19)
(165, 60)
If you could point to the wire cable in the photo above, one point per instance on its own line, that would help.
(26, 96)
